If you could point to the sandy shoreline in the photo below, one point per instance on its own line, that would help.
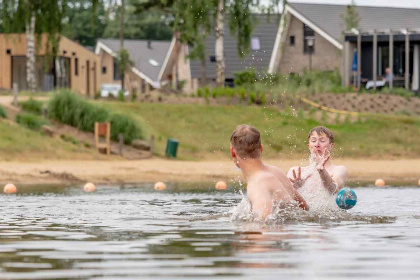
(152, 170)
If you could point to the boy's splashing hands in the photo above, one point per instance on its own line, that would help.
(297, 179)
(320, 158)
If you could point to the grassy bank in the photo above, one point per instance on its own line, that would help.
(204, 131)
(20, 143)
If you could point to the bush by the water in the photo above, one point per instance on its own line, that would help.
(30, 120)
(32, 106)
(3, 113)
(72, 109)
(126, 126)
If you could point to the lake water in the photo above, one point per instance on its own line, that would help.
(186, 232)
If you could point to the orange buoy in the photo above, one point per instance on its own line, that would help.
(10, 188)
(380, 182)
(221, 185)
(160, 186)
(89, 187)
(418, 183)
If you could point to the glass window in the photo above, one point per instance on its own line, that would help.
(308, 39)
(255, 44)
(292, 40)
(76, 66)
(116, 72)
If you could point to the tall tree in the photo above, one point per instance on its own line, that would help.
(124, 64)
(80, 25)
(351, 17)
(34, 17)
(148, 25)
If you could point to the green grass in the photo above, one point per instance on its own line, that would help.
(30, 120)
(3, 113)
(204, 131)
(32, 106)
(20, 143)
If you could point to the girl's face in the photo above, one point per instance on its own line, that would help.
(319, 143)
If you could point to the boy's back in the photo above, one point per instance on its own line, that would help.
(264, 189)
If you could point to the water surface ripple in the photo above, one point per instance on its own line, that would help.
(133, 232)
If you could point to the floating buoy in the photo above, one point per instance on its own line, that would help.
(160, 186)
(418, 182)
(379, 182)
(221, 185)
(10, 188)
(89, 187)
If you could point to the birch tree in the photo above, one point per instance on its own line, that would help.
(34, 17)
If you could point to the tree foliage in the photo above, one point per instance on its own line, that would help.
(124, 63)
(83, 26)
(149, 25)
(16, 15)
(351, 17)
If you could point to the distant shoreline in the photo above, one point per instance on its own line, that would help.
(404, 171)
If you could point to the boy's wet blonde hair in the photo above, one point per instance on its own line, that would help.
(246, 140)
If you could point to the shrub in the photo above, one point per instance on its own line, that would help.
(121, 96)
(245, 77)
(70, 108)
(242, 94)
(32, 106)
(134, 96)
(30, 120)
(252, 98)
(181, 84)
(3, 113)
(126, 126)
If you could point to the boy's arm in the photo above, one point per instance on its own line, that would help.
(301, 202)
(333, 185)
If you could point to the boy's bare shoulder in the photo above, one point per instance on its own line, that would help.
(261, 180)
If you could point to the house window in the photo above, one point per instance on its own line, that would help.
(212, 58)
(308, 39)
(116, 72)
(103, 69)
(76, 66)
(292, 40)
(255, 44)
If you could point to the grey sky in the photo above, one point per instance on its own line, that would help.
(382, 3)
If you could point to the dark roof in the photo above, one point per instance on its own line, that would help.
(259, 60)
(327, 17)
(141, 54)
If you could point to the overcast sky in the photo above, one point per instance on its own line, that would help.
(382, 3)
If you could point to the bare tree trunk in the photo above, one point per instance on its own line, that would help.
(122, 38)
(220, 56)
(30, 54)
(176, 49)
(203, 71)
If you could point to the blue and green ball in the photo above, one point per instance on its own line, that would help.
(346, 198)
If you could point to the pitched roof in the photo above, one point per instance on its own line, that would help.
(327, 17)
(266, 32)
(148, 59)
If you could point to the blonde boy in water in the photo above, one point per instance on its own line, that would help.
(319, 181)
(266, 185)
